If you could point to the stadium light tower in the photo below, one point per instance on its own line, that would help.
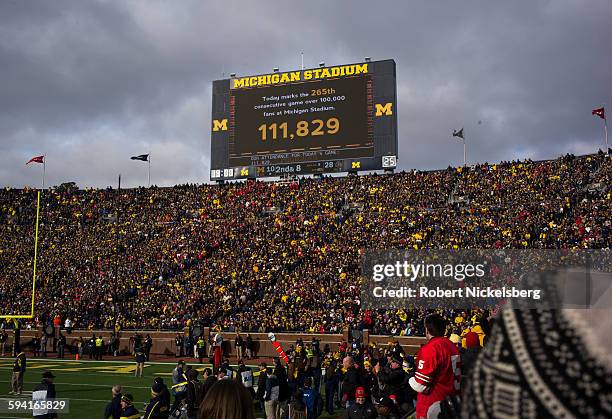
(275, 69)
(322, 64)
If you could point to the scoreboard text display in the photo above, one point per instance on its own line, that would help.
(324, 120)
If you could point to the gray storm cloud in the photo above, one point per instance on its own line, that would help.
(92, 83)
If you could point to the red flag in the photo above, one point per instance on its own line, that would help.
(601, 112)
(37, 159)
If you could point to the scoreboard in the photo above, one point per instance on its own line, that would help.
(323, 120)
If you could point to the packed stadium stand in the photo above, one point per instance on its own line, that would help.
(279, 256)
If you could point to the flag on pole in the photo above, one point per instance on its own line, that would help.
(37, 159)
(458, 133)
(601, 112)
(142, 157)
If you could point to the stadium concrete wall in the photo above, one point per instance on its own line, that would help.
(163, 341)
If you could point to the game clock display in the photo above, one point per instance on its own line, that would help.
(325, 120)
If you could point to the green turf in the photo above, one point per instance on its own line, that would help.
(87, 384)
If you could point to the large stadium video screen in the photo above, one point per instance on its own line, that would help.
(324, 120)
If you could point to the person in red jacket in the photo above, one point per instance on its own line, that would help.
(438, 369)
(217, 352)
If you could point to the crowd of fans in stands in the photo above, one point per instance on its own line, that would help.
(259, 256)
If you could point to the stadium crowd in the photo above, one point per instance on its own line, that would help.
(276, 256)
(267, 257)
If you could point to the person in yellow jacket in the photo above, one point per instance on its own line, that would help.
(476, 328)
(99, 347)
(201, 347)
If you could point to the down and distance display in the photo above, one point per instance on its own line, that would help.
(308, 121)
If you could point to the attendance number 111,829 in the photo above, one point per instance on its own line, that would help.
(302, 129)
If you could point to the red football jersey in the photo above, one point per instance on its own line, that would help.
(438, 374)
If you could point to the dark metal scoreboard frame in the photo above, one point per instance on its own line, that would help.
(312, 121)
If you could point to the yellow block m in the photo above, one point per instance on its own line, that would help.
(220, 125)
(385, 109)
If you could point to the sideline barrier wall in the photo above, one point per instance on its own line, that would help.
(163, 341)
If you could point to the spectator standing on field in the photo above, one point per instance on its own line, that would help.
(137, 341)
(43, 344)
(179, 384)
(195, 346)
(438, 369)
(393, 378)
(44, 392)
(362, 408)
(91, 346)
(312, 399)
(201, 345)
(261, 386)
(187, 345)
(331, 383)
(19, 369)
(140, 361)
(36, 344)
(271, 395)
(148, 344)
(61, 345)
(350, 381)
(128, 411)
(99, 347)
(111, 344)
(195, 393)
(165, 393)
(3, 339)
(178, 342)
(284, 393)
(80, 346)
(156, 408)
(217, 351)
(113, 408)
(249, 346)
(239, 345)
(245, 375)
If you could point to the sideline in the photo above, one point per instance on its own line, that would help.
(34, 360)
(74, 384)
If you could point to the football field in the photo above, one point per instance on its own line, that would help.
(87, 384)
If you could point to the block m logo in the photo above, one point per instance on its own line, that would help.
(356, 165)
(386, 109)
(220, 125)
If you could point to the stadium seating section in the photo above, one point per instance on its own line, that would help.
(267, 256)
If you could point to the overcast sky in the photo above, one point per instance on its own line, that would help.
(91, 83)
